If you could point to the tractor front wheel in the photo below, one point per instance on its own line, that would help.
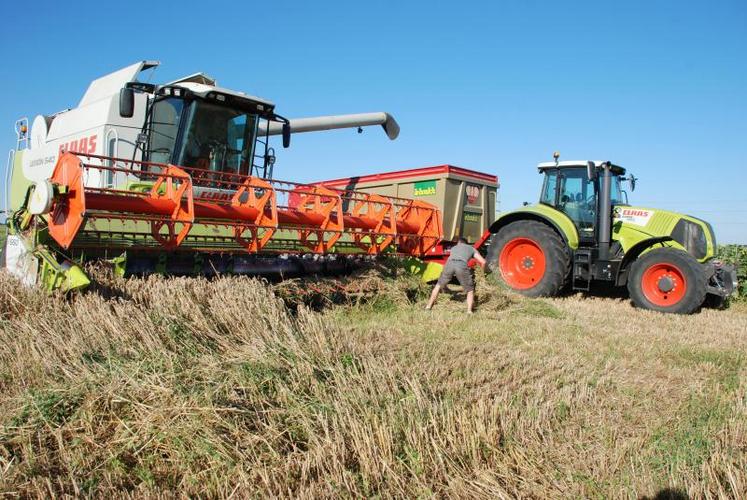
(531, 257)
(667, 280)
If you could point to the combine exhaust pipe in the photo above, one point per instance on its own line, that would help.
(319, 123)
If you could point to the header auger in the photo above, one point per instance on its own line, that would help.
(240, 212)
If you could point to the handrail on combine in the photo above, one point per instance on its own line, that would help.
(247, 213)
(8, 177)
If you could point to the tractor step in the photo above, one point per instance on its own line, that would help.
(582, 273)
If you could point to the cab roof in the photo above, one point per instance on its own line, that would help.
(551, 165)
(222, 95)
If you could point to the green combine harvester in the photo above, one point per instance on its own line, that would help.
(583, 231)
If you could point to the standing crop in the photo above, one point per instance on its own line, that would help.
(737, 255)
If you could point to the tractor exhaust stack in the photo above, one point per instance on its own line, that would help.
(605, 213)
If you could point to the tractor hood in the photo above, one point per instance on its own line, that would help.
(632, 224)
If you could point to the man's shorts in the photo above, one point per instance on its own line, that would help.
(462, 273)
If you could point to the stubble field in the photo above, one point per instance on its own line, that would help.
(236, 387)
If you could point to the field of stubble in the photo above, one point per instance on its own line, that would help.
(235, 387)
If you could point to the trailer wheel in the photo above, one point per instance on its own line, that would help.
(532, 258)
(667, 280)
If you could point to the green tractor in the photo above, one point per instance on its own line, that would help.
(583, 231)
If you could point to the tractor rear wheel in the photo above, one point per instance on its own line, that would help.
(531, 257)
(667, 280)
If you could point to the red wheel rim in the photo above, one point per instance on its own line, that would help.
(663, 284)
(522, 263)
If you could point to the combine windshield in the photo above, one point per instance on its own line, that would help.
(213, 137)
(218, 138)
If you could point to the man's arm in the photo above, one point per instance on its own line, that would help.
(480, 259)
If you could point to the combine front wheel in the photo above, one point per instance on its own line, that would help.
(531, 257)
(667, 280)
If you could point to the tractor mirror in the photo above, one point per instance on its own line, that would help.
(286, 134)
(126, 102)
(632, 182)
(591, 170)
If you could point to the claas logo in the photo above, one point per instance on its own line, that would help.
(634, 213)
(84, 145)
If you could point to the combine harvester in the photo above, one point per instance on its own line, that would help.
(178, 178)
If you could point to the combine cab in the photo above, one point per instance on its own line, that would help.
(178, 178)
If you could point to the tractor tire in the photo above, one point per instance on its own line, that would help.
(531, 258)
(667, 280)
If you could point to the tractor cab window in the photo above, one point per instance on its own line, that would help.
(577, 199)
(218, 138)
(570, 191)
(616, 193)
(549, 187)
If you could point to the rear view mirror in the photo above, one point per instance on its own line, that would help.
(126, 102)
(286, 134)
(633, 178)
(591, 170)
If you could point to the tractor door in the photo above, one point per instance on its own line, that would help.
(570, 191)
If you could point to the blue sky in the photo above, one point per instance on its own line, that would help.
(659, 87)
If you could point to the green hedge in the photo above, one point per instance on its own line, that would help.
(736, 254)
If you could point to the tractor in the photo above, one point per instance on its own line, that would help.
(583, 233)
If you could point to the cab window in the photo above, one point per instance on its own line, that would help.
(548, 188)
(578, 199)
(218, 138)
(164, 129)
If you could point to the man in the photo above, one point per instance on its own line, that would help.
(456, 264)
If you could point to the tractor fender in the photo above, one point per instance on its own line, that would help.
(633, 253)
(556, 220)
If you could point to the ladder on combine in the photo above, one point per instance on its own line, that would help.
(22, 142)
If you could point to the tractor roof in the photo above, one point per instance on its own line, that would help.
(550, 165)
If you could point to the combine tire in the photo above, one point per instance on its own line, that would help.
(531, 257)
(667, 280)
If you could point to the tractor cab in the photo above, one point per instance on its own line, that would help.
(574, 188)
